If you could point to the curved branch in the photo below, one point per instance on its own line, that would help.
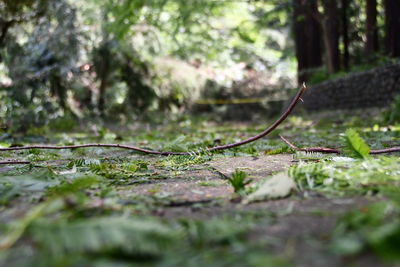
(336, 151)
(167, 153)
(270, 128)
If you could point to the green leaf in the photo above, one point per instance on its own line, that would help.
(355, 145)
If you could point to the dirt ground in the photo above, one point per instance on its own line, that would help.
(300, 224)
(297, 227)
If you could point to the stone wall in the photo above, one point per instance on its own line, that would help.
(373, 88)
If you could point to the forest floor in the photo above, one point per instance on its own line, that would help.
(112, 207)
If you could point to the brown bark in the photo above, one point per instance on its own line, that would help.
(392, 27)
(330, 24)
(371, 29)
(4, 27)
(307, 36)
(102, 88)
(345, 34)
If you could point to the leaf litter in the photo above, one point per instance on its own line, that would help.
(104, 197)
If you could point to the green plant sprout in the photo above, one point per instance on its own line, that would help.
(238, 181)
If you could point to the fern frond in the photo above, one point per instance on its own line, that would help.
(76, 185)
(354, 145)
(304, 155)
(118, 235)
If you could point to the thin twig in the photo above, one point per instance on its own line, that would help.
(167, 153)
(12, 162)
(310, 149)
(385, 150)
(336, 151)
(143, 150)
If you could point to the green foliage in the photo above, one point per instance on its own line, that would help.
(309, 175)
(238, 181)
(392, 115)
(7, 192)
(182, 162)
(64, 123)
(306, 156)
(34, 182)
(120, 58)
(83, 162)
(42, 67)
(280, 150)
(125, 173)
(341, 175)
(172, 218)
(143, 241)
(23, 9)
(108, 236)
(77, 185)
(355, 145)
(374, 228)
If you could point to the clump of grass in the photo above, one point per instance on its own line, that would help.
(238, 181)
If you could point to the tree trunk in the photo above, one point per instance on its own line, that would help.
(392, 27)
(330, 24)
(102, 62)
(103, 86)
(345, 34)
(4, 28)
(307, 36)
(371, 29)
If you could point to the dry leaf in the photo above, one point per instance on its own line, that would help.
(278, 186)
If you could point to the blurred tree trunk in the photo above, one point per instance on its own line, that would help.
(392, 27)
(371, 29)
(307, 36)
(102, 58)
(4, 27)
(345, 34)
(330, 24)
(104, 73)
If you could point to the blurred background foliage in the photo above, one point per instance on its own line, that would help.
(67, 61)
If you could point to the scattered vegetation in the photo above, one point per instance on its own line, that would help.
(374, 228)
(106, 205)
(146, 73)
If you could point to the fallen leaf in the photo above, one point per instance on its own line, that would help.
(278, 186)
(73, 170)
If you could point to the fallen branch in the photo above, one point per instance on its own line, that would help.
(334, 150)
(310, 149)
(11, 162)
(167, 153)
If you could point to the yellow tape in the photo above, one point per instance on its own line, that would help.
(229, 101)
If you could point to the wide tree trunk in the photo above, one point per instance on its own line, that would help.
(371, 29)
(392, 27)
(330, 23)
(307, 36)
